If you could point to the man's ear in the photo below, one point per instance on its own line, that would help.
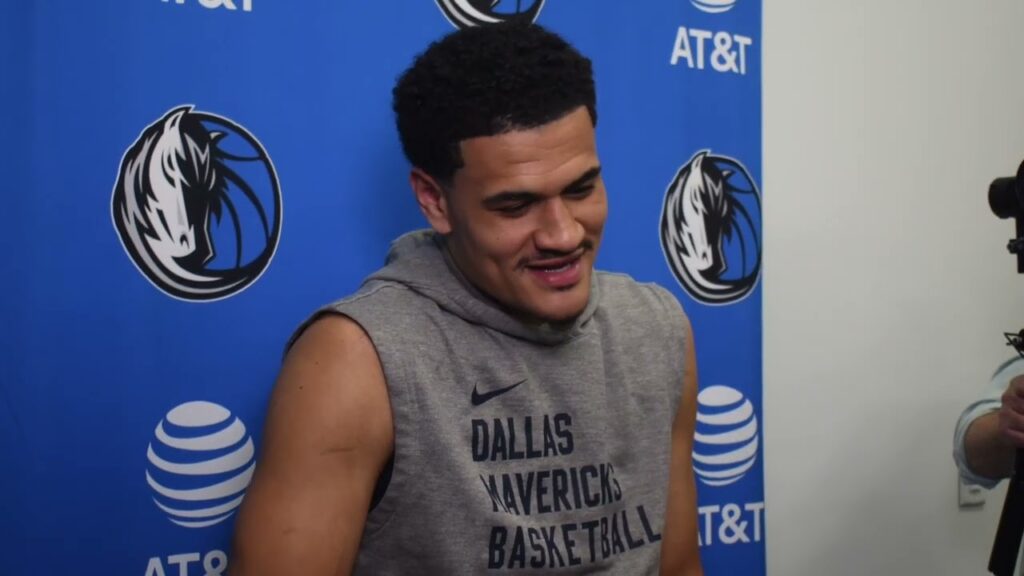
(432, 199)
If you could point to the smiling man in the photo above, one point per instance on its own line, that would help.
(487, 401)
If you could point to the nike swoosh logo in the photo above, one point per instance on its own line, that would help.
(479, 398)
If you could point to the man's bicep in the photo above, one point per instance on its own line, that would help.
(680, 551)
(328, 435)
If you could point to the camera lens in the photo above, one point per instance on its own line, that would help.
(1005, 195)
(1002, 197)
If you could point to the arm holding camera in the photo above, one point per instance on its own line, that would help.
(991, 429)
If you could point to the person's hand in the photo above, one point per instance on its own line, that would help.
(1011, 414)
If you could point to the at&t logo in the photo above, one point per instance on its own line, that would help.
(468, 13)
(726, 439)
(246, 5)
(213, 563)
(721, 51)
(713, 6)
(730, 524)
(718, 50)
(201, 460)
(197, 205)
(725, 449)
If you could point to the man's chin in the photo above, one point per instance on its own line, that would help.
(558, 314)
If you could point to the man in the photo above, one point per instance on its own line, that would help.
(991, 429)
(486, 401)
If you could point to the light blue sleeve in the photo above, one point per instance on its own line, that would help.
(988, 402)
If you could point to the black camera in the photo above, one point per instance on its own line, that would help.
(1006, 198)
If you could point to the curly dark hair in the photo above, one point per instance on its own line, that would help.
(483, 81)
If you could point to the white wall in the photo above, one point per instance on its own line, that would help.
(886, 283)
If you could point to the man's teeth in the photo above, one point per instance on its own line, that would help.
(561, 268)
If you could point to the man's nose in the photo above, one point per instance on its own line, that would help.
(558, 230)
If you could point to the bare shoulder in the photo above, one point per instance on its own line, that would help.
(332, 388)
(334, 358)
(328, 435)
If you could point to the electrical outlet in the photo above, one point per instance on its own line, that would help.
(970, 495)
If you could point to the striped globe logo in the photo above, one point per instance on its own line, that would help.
(200, 463)
(714, 6)
(726, 439)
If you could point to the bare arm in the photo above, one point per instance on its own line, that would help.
(988, 453)
(327, 437)
(680, 555)
(992, 439)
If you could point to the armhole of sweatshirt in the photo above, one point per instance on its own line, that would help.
(676, 321)
(384, 503)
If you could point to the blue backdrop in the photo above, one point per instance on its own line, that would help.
(130, 404)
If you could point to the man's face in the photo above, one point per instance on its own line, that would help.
(526, 213)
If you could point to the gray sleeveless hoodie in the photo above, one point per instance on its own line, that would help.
(518, 449)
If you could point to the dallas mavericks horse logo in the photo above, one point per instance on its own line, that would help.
(711, 229)
(197, 205)
(467, 13)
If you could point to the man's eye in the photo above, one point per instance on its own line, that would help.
(513, 209)
(580, 192)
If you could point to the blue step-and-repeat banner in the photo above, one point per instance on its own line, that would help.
(139, 350)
